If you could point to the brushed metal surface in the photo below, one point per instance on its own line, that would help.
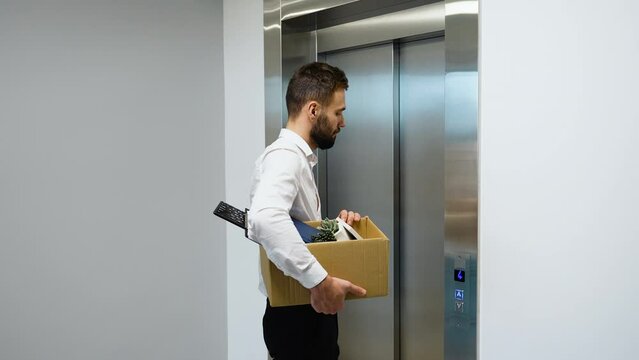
(461, 168)
(295, 8)
(401, 24)
(361, 176)
(272, 70)
(422, 71)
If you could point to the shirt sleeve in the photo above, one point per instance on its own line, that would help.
(270, 223)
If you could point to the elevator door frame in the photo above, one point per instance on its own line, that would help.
(298, 47)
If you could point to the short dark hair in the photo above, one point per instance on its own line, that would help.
(315, 81)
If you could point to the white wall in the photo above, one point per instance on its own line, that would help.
(244, 127)
(111, 160)
(559, 173)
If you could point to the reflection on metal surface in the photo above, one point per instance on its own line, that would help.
(272, 27)
(462, 7)
(295, 8)
(364, 153)
(461, 40)
(272, 69)
(421, 103)
(461, 168)
(461, 162)
(401, 24)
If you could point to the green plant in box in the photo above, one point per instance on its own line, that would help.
(327, 229)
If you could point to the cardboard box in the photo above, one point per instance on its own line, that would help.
(362, 262)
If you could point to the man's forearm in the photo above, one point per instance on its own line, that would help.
(274, 230)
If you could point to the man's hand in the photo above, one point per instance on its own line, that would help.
(328, 296)
(349, 216)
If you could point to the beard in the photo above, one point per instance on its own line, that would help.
(322, 133)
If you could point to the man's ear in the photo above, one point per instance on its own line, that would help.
(313, 109)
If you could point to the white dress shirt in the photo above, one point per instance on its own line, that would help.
(283, 187)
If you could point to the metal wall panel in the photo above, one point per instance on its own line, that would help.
(422, 70)
(295, 8)
(272, 70)
(421, 20)
(361, 176)
(460, 245)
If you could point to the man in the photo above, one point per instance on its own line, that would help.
(284, 187)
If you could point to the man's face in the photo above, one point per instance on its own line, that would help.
(329, 121)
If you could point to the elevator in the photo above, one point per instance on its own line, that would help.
(407, 158)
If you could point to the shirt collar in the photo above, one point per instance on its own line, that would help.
(301, 143)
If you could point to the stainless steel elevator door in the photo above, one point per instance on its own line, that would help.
(421, 98)
(392, 152)
(360, 176)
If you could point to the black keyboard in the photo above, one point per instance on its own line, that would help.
(231, 214)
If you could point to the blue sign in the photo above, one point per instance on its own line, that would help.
(459, 295)
(460, 275)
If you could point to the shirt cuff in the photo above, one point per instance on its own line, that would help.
(313, 276)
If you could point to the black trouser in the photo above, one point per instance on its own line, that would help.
(299, 333)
